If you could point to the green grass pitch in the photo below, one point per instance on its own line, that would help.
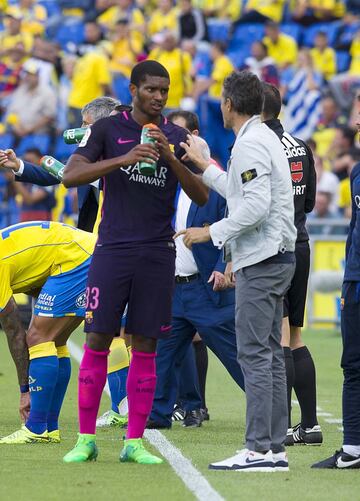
(36, 472)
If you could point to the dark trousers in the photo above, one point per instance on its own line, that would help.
(350, 361)
(193, 311)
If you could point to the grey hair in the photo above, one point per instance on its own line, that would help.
(101, 107)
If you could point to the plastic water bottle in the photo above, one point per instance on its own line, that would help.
(74, 136)
(53, 166)
(147, 168)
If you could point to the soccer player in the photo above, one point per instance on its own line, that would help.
(49, 261)
(348, 457)
(299, 364)
(134, 257)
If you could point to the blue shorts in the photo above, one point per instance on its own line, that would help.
(64, 295)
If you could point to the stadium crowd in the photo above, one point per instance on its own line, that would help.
(56, 56)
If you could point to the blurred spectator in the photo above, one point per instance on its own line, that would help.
(201, 62)
(323, 212)
(282, 48)
(47, 56)
(125, 48)
(330, 118)
(221, 9)
(68, 64)
(178, 64)
(13, 33)
(343, 142)
(9, 212)
(261, 11)
(261, 64)
(326, 182)
(345, 85)
(164, 18)
(192, 22)
(34, 16)
(32, 106)
(308, 12)
(222, 67)
(10, 74)
(323, 56)
(91, 79)
(36, 201)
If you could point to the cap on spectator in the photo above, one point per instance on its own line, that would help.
(30, 66)
(14, 12)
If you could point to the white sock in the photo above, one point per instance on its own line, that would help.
(353, 450)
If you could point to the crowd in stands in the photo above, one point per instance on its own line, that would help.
(57, 55)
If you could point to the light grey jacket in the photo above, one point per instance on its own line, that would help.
(258, 191)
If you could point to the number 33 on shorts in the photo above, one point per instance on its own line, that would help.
(92, 298)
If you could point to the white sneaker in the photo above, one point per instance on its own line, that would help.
(281, 461)
(246, 460)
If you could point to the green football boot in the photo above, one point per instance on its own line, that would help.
(135, 452)
(111, 418)
(25, 436)
(84, 450)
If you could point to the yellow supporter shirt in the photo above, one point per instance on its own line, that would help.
(324, 62)
(124, 56)
(137, 21)
(31, 252)
(34, 19)
(91, 73)
(270, 8)
(355, 58)
(9, 41)
(160, 22)
(178, 64)
(221, 69)
(224, 8)
(284, 51)
(344, 194)
(337, 7)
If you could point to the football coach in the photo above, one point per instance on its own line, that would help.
(258, 236)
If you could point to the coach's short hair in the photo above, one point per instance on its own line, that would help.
(147, 68)
(272, 100)
(191, 118)
(100, 107)
(243, 89)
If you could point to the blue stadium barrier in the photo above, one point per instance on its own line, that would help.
(218, 30)
(62, 151)
(331, 29)
(203, 64)
(70, 32)
(6, 141)
(121, 89)
(40, 141)
(342, 61)
(292, 29)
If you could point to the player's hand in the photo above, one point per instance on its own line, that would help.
(140, 153)
(162, 144)
(219, 281)
(24, 407)
(9, 160)
(229, 276)
(194, 236)
(193, 152)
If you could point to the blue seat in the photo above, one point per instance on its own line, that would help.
(51, 6)
(6, 141)
(238, 56)
(63, 151)
(70, 32)
(40, 141)
(248, 33)
(121, 89)
(292, 29)
(342, 61)
(218, 30)
(331, 29)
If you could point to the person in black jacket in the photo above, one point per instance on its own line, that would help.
(300, 368)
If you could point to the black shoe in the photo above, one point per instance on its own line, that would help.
(193, 419)
(308, 436)
(205, 414)
(289, 440)
(339, 461)
(155, 425)
(178, 413)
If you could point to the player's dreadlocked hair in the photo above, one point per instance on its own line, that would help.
(148, 67)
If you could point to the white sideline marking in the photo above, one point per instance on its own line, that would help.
(324, 414)
(333, 421)
(182, 466)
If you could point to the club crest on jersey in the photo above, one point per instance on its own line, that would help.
(296, 171)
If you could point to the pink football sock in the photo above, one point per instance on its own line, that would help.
(92, 378)
(141, 384)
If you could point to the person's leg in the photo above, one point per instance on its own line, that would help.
(289, 367)
(202, 362)
(118, 368)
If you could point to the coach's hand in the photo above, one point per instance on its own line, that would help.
(24, 407)
(219, 281)
(229, 276)
(140, 153)
(162, 144)
(194, 236)
(194, 153)
(9, 160)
